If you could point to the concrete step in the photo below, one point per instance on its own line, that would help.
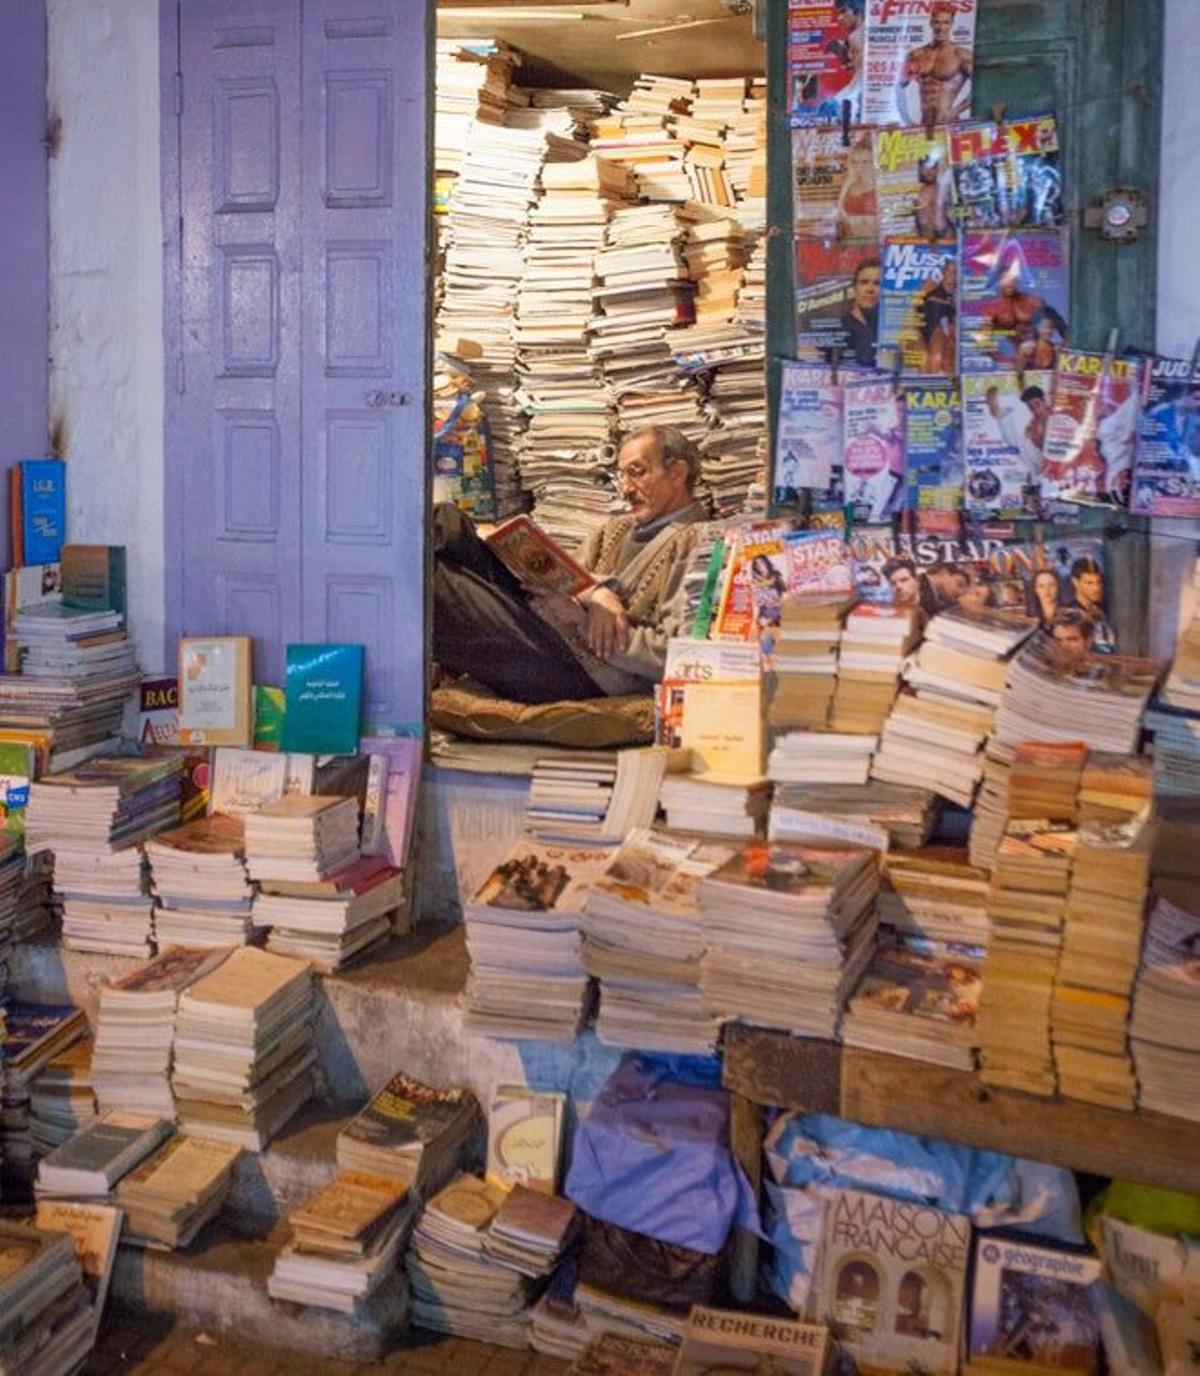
(268, 1185)
(220, 1285)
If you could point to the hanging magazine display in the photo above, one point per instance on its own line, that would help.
(1090, 434)
(833, 183)
(1166, 475)
(919, 313)
(1004, 426)
(1006, 176)
(1014, 301)
(837, 298)
(873, 449)
(913, 182)
(918, 62)
(825, 50)
(808, 436)
(933, 454)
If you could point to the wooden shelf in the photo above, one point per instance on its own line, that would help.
(773, 1068)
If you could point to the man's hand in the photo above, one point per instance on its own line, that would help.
(606, 625)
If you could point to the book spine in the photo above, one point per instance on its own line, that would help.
(704, 609)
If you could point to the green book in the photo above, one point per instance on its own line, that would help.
(18, 764)
(323, 699)
(93, 577)
(704, 609)
(268, 717)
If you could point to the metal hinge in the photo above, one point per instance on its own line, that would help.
(178, 93)
(179, 374)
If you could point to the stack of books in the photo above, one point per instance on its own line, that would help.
(62, 1100)
(643, 939)
(333, 921)
(935, 733)
(918, 998)
(455, 1287)
(12, 880)
(871, 651)
(244, 1054)
(38, 908)
(530, 1232)
(990, 812)
(806, 649)
(905, 816)
(299, 838)
(33, 1034)
(1050, 695)
(45, 1313)
(411, 1132)
(638, 133)
(789, 930)
(523, 935)
(821, 757)
(736, 810)
(94, 819)
(601, 1311)
(1165, 1030)
(135, 1031)
(91, 1163)
(596, 797)
(176, 1190)
(935, 892)
(60, 642)
(1174, 716)
(198, 876)
(345, 1242)
(470, 87)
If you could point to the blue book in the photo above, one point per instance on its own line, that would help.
(43, 505)
(323, 699)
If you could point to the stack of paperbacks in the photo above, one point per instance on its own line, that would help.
(598, 797)
(244, 1053)
(12, 879)
(46, 1317)
(935, 732)
(90, 1165)
(344, 1242)
(871, 652)
(470, 89)
(990, 813)
(456, 1288)
(411, 1132)
(602, 1311)
(821, 757)
(523, 936)
(693, 803)
(62, 1101)
(135, 1030)
(34, 1033)
(1165, 1028)
(198, 875)
(639, 133)
(530, 1232)
(789, 929)
(1052, 695)
(1102, 932)
(1026, 905)
(905, 815)
(301, 839)
(94, 819)
(77, 672)
(567, 451)
(643, 938)
(806, 658)
(38, 907)
(336, 920)
(176, 1190)
(918, 998)
(1174, 716)
(935, 892)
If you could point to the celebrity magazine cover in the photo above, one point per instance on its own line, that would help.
(818, 564)
(1166, 469)
(833, 183)
(824, 57)
(837, 298)
(918, 321)
(808, 434)
(873, 449)
(913, 183)
(1006, 176)
(1004, 428)
(1092, 428)
(933, 451)
(919, 60)
(1015, 299)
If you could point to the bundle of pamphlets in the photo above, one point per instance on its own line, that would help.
(643, 939)
(345, 1241)
(176, 1190)
(93, 819)
(788, 928)
(334, 921)
(1165, 1032)
(523, 936)
(411, 1132)
(45, 1310)
(91, 1163)
(305, 838)
(198, 877)
(135, 1030)
(62, 1099)
(455, 1287)
(716, 809)
(244, 1054)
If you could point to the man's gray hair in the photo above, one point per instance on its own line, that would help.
(673, 447)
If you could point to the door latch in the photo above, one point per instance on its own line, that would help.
(1120, 215)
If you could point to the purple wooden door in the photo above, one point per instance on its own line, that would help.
(296, 428)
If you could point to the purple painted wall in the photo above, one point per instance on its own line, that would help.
(25, 234)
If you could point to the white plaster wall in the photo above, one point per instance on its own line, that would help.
(1179, 188)
(106, 351)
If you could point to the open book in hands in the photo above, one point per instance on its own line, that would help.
(541, 563)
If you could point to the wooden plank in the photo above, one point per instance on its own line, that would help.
(773, 1068)
(745, 1140)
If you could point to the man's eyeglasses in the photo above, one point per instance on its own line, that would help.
(632, 474)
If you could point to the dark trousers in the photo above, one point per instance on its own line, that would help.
(484, 626)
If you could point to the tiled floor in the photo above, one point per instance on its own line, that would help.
(150, 1346)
